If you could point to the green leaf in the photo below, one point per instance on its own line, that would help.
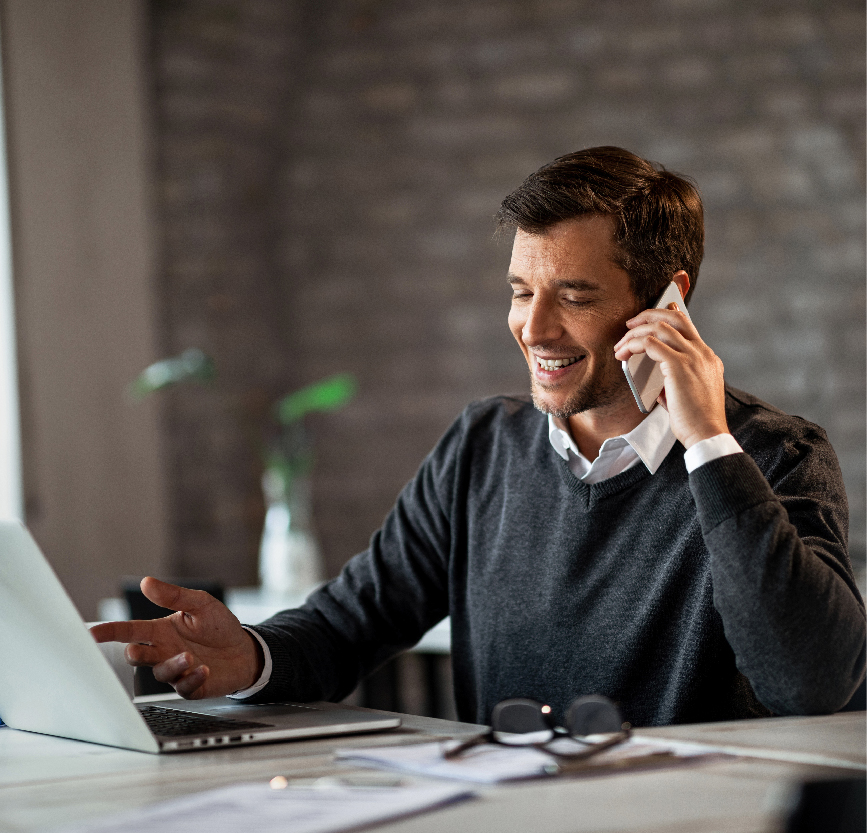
(328, 395)
(192, 364)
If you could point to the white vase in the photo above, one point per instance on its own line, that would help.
(290, 562)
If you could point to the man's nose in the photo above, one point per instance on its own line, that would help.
(542, 324)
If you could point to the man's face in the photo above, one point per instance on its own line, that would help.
(570, 304)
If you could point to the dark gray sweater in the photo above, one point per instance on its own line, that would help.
(722, 594)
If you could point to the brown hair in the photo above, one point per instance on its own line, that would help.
(659, 222)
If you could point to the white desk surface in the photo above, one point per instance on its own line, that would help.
(46, 782)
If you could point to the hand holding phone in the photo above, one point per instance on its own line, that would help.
(643, 374)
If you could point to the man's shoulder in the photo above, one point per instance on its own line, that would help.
(503, 414)
(747, 413)
(490, 430)
(503, 405)
(770, 435)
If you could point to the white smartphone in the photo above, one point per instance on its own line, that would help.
(643, 374)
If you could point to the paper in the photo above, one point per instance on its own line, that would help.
(484, 764)
(257, 807)
(641, 751)
(491, 763)
(791, 756)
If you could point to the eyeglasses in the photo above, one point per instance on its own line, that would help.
(523, 722)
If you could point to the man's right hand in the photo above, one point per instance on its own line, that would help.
(201, 650)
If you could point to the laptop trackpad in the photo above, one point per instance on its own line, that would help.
(260, 711)
(279, 714)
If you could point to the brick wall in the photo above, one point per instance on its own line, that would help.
(327, 176)
(222, 73)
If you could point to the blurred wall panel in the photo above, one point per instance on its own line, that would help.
(82, 249)
(328, 171)
(411, 119)
(221, 74)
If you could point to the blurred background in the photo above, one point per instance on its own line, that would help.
(306, 187)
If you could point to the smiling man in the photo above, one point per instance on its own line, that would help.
(570, 304)
(690, 564)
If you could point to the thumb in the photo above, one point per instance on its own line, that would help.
(174, 597)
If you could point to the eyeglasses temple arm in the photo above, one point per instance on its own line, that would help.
(469, 743)
(595, 749)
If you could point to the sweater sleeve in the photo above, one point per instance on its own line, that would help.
(383, 601)
(782, 581)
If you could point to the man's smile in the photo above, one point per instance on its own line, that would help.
(550, 369)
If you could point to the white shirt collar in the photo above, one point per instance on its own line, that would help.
(650, 441)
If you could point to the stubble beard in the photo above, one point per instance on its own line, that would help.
(598, 392)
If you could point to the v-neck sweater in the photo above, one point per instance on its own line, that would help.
(715, 595)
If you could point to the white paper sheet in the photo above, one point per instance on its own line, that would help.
(491, 763)
(257, 807)
(486, 764)
(791, 756)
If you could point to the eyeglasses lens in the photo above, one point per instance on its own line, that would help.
(521, 721)
(593, 715)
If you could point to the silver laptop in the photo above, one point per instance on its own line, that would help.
(54, 679)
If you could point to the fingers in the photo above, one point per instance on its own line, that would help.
(654, 328)
(137, 654)
(174, 597)
(678, 326)
(137, 630)
(675, 319)
(192, 684)
(172, 669)
(659, 343)
(104, 632)
(182, 672)
(143, 630)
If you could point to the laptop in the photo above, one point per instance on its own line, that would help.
(54, 679)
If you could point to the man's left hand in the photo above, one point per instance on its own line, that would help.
(694, 393)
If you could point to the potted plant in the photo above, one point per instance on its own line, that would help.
(290, 562)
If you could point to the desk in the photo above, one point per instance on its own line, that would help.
(47, 781)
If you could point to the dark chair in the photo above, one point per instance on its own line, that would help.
(836, 806)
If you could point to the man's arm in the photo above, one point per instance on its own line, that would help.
(782, 581)
(384, 600)
(781, 577)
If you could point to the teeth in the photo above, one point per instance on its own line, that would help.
(553, 364)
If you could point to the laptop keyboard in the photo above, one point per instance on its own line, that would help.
(175, 723)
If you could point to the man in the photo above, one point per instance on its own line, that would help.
(690, 564)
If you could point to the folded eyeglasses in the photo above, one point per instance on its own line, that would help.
(523, 722)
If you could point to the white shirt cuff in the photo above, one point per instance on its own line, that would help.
(710, 449)
(264, 677)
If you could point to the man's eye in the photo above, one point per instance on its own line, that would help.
(519, 295)
(578, 302)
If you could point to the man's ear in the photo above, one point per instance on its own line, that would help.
(682, 280)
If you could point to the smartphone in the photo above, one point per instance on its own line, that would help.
(643, 374)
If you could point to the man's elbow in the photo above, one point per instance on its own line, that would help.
(828, 694)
